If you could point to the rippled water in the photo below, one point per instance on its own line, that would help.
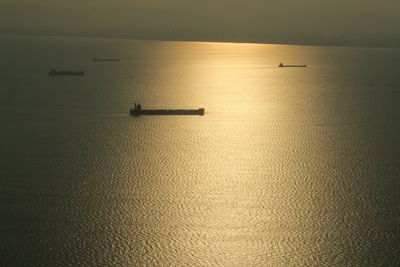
(288, 167)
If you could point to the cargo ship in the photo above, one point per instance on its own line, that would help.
(291, 66)
(106, 59)
(137, 110)
(65, 72)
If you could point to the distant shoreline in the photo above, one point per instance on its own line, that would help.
(196, 41)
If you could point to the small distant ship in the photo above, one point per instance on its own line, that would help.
(106, 59)
(137, 110)
(65, 72)
(281, 65)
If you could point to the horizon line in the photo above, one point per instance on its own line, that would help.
(188, 40)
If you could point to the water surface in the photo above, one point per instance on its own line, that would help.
(288, 167)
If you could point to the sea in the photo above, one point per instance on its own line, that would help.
(287, 167)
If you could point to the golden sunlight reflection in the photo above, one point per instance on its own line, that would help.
(244, 157)
(243, 180)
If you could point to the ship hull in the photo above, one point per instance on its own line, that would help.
(106, 59)
(292, 66)
(165, 112)
(66, 73)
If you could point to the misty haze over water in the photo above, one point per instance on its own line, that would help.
(349, 23)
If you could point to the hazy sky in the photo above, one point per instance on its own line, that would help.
(367, 22)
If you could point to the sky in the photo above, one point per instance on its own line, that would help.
(342, 22)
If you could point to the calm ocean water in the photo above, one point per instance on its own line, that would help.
(288, 167)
